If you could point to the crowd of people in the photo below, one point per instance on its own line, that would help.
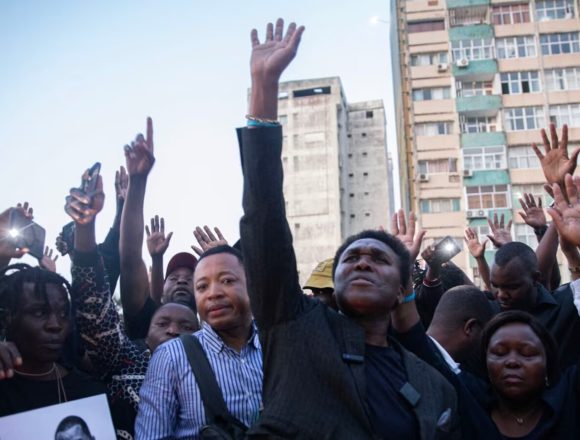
(392, 341)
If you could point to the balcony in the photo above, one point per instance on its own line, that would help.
(487, 177)
(482, 105)
(479, 70)
(453, 4)
(475, 31)
(483, 139)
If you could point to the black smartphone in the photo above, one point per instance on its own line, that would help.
(446, 249)
(89, 183)
(68, 236)
(27, 234)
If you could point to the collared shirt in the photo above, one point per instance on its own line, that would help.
(171, 405)
(454, 366)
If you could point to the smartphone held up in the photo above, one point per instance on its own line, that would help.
(26, 234)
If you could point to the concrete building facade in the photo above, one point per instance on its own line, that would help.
(336, 179)
(478, 79)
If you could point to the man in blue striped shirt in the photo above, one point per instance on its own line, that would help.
(171, 405)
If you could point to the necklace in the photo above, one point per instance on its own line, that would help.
(22, 373)
(522, 419)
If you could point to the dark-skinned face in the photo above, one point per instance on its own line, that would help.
(221, 293)
(168, 322)
(40, 328)
(367, 280)
(178, 287)
(513, 285)
(516, 362)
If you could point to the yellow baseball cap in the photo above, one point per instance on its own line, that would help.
(321, 276)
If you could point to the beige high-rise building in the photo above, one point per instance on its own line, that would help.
(475, 81)
(336, 179)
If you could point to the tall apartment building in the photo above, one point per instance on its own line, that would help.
(336, 179)
(477, 80)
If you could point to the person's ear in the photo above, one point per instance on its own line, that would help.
(469, 327)
(537, 276)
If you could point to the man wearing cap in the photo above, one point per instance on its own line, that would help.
(321, 285)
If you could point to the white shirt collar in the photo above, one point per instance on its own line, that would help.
(452, 364)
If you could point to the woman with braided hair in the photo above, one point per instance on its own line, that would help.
(34, 324)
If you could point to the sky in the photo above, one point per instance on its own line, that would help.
(78, 79)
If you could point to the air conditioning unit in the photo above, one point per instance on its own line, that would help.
(476, 213)
(462, 62)
(467, 173)
(443, 67)
(423, 177)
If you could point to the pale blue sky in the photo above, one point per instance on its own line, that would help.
(77, 80)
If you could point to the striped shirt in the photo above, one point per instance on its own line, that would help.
(171, 405)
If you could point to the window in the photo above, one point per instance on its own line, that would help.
(474, 88)
(439, 205)
(311, 92)
(283, 119)
(437, 166)
(426, 26)
(510, 14)
(488, 158)
(478, 124)
(482, 232)
(516, 47)
(476, 49)
(487, 197)
(515, 83)
(525, 234)
(554, 9)
(524, 118)
(429, 94)
(429, 59)
(563, 79)
(523, 157)
(555, 44)
(565, 114)
(433, 128)
(537, 190)
(369, 114)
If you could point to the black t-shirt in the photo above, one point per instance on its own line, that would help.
(391, 414)
(22, 394)
(137, 326)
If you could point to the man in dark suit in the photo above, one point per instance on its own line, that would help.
(327, 375)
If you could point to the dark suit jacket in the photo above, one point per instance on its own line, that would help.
(314, 370)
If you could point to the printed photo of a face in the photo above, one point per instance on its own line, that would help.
(82, 419)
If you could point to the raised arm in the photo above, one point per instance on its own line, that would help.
(477, 251)
(96, 313)
(157, 244)
(533, 215)
(265, 236)
(8, 249)
(566, 210)
(134, 280)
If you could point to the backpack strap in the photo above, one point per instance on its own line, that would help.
(211, 395)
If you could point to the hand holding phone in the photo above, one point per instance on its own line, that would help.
(441, 252)
(84, 203)
(26, 234)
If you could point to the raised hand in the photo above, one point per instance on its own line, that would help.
(500, 234)
(555, 162)
(406, 232)
(270, 58)
(82, 207)
(157, 241)
(26, 210)
(47, 261)
(139, 155)
(10, 358)
(566, 213)
(533, 213)
(121, 184)
(8, 249)
(207, 240)
(476, 249)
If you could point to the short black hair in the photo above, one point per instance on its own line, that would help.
(461, 303)
(222, 249)
(70, 421)
(517, 316)
(390, 240)
(12, 279)
(516, 249)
